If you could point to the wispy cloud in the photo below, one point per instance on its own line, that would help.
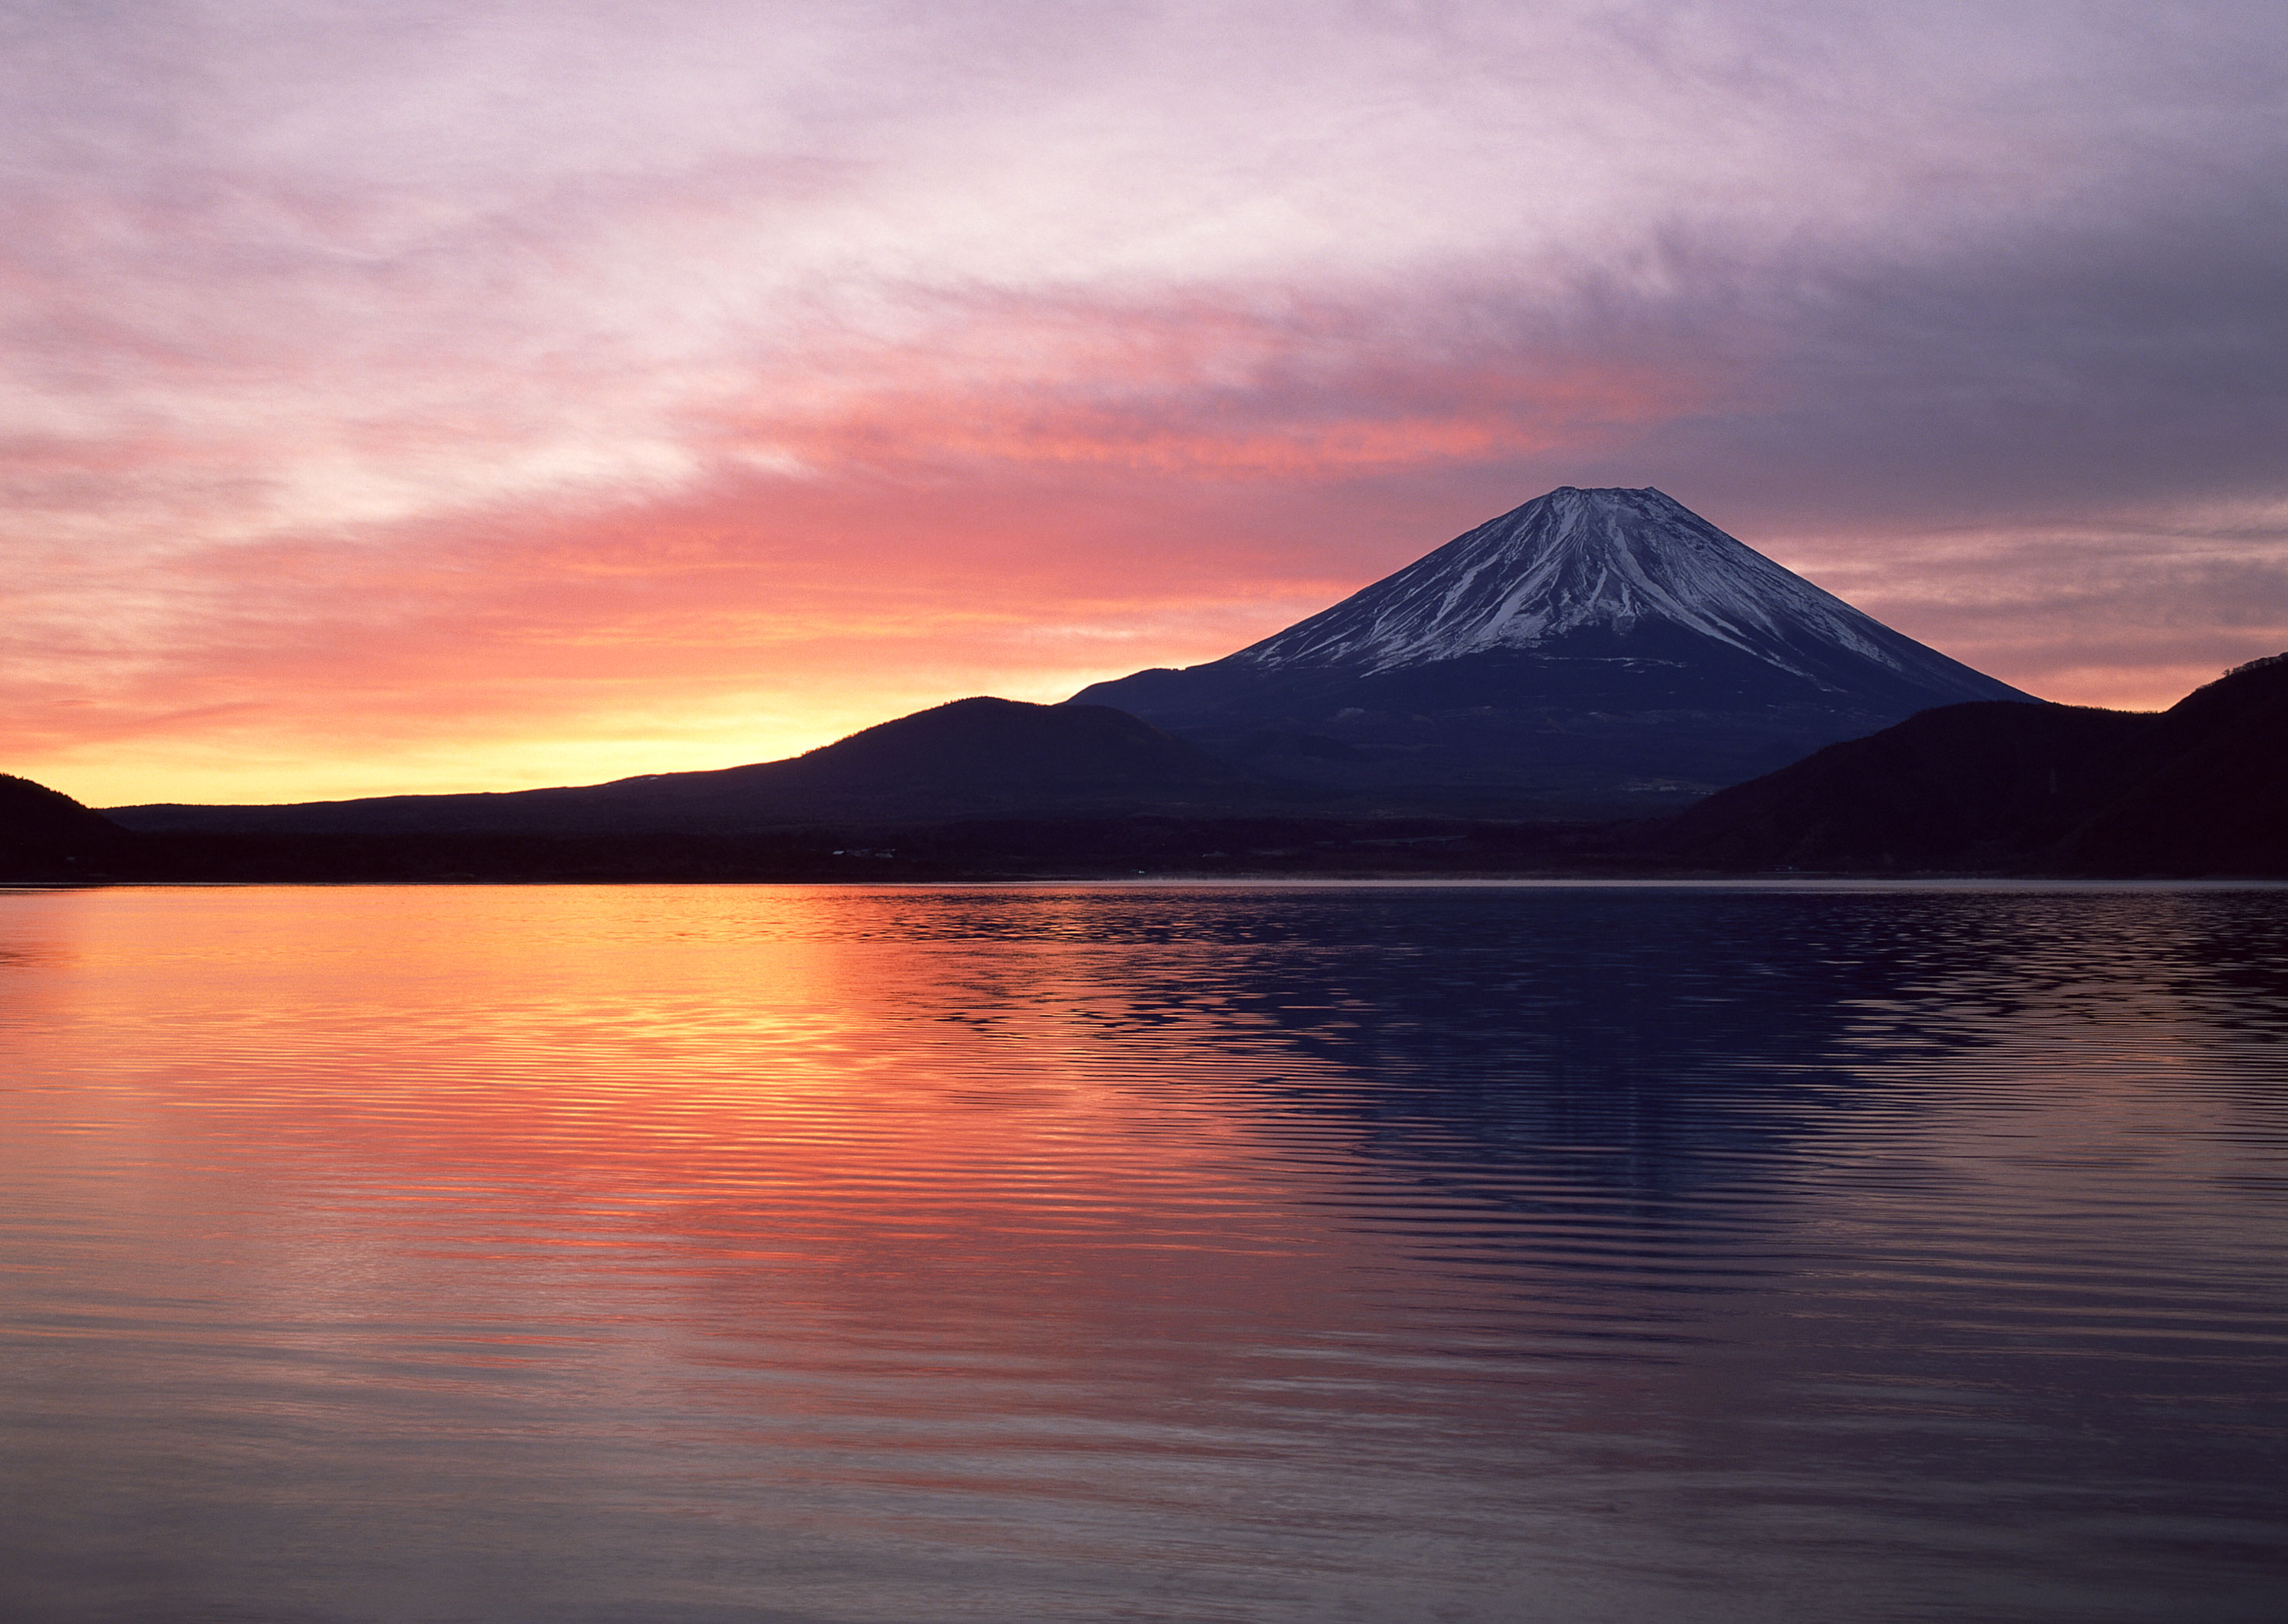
(424, 395)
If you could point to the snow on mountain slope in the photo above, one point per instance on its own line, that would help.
(1612, 560)
(1591, 647)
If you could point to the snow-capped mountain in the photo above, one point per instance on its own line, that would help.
(1591, 644)
(1575, 560)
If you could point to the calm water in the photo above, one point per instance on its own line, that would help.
(1310, 1254)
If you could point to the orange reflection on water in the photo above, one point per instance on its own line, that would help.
(562, 1251)
(555, 1107)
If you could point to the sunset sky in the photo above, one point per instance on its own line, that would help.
(426, 396)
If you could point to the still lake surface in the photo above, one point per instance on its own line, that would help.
(1304, 1253)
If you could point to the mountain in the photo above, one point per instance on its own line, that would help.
(1593, 649)
(986, 787)
(2201, 788)
(2213, 797)
(46, 835)
(972, 758)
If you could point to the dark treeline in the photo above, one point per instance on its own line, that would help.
(2006, 788)
(991, 849)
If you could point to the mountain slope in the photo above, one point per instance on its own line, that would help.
(46, 835)
(2201, 788)
(2212, 796)
(1592, 643)
(973, 756)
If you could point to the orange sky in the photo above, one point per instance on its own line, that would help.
(506, 396)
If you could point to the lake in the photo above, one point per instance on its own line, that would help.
(1501, 1252)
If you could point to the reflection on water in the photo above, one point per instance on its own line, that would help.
(1463, 1253)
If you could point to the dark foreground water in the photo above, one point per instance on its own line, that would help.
(1503, 1253)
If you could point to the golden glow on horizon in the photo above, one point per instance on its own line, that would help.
(648, 654)
(806, 367)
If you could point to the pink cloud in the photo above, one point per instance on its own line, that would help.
(481, 396)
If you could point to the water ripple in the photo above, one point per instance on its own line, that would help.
(1292, 1253)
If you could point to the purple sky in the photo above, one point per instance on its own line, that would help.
(474, 396)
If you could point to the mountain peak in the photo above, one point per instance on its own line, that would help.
(1609, 559)
(1593, 644)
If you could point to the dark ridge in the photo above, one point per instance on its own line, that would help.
(992, 741)
(2214, 798)
(46, 835)
(2201, 788)
(970, 758)
(1964, 784)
